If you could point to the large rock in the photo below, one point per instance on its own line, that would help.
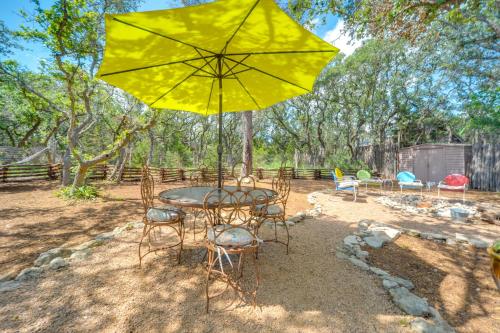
(106, 236)
(388, 284)
(351, 240)
(57, 263)
(355, 261)
(379, 271)
(9, 286)
(402, 282)
(409, 303)
(29, 273)
(384, 232)
(46, 257)
(81, 255)
(420, 325)
(374, 242)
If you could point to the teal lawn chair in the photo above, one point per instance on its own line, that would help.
(345, 185)
(408, 180)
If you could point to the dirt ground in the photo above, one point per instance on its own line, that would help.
(33, 219)
(310, 290)
(456, 280)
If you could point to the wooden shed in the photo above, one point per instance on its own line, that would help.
(433, 162)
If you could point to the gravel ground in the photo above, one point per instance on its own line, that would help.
(310, 290)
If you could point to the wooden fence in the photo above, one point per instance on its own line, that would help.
(485, 165)
(130, 174)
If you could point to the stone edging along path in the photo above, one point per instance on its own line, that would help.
(428, 319)
(61, 257)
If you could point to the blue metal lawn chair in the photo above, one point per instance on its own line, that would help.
(408, 180)
(345, 185)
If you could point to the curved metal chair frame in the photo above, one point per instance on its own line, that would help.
(233, 216)
(282, 186)
(152, 232)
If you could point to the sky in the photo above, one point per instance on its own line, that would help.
(32, 54)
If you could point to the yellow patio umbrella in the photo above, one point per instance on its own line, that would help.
(223, 56)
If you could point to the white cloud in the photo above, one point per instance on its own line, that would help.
(341, 39)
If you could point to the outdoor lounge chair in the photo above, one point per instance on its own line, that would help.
(454, 182)
(341, 177)
(345, 185)
(408, 180)
(364, 177)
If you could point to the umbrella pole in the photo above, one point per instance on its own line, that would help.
(219, 147)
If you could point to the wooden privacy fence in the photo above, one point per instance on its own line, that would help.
(485, 165)
(131, 174)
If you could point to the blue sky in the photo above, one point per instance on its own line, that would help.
(32, 53)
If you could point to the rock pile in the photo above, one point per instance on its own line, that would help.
(415, 204)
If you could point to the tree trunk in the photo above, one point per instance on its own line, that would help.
(81, 173)
(151, 147)
(66, 169)
(247, 167)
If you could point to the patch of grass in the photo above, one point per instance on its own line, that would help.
(404, 322)
(85, 192)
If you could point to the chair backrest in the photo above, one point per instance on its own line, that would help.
(285, 172)
(339, 174)
(363, 175)
(281, 185)
(225, 207)
(456, 179)
(246, 181)
(147, 188)
(334, 176)
(406, 176)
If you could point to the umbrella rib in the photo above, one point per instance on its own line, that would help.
(280, 52)
(238, 72)
(243, 86)
(161, 35)
(210, 95)
(204, 58)
(231, 69)
(211, 74)
(147, 67)
(178, 84)
(239, 26)
(269, 74)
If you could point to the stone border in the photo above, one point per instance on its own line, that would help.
(376, 235)
(61, 257)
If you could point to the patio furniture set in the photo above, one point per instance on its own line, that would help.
(405, 179)
(233, 216)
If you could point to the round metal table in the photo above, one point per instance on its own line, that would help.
(193, 197)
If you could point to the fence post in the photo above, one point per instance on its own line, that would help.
(183, 174)
(317, 174)
(51, 173)
(260, 174)
(294, 175)
(105, 172)
(4, 174)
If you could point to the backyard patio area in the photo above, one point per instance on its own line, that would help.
(311, 289)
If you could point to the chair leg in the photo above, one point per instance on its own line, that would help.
(287, 234)
(209, 271)
(257, 279)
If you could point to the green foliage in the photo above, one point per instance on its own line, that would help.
(85, 192)
(496, 246)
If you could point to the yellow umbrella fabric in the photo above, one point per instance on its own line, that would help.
(223, 56)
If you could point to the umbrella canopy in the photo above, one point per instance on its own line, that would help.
(224, 56)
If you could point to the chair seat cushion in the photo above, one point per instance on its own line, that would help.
(228, 236)
(456, 180)
(411, 184)
(163, 215)
(347, 184)
(449, 187)
(268, 210)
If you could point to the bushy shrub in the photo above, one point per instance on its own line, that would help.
(85, 192)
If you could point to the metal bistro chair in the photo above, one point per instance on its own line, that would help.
(276, 209)
(154, 219)
(231, 232)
